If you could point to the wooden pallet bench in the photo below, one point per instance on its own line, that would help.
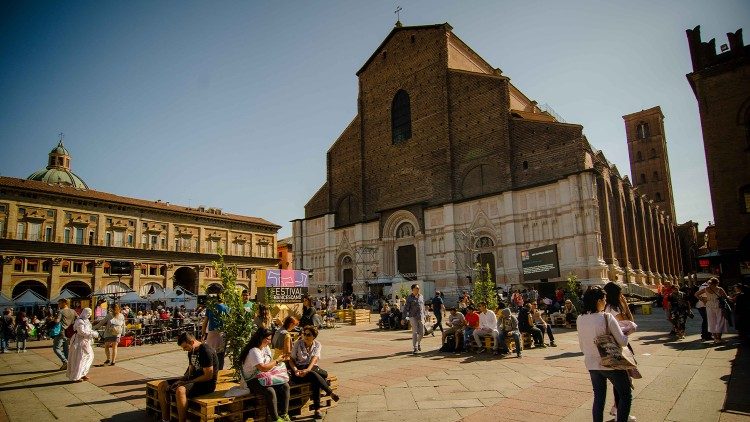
(214, 407)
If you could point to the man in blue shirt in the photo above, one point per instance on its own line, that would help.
(212, 325)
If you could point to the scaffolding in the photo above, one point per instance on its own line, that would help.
(365, 265)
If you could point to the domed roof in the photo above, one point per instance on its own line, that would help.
(57, 176)
(60, 149)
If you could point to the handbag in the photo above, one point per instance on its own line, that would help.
(276, 376)
(611, 352)
(320, 371)
(69, 331)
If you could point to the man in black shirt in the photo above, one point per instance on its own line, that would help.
(437, 309)
(199, 379)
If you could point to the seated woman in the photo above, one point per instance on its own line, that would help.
(263, 319)
(570, 313)
(308, 313)
(542, 325)
(385, 316)
(304, 365)
(256, 358)
(282, 338)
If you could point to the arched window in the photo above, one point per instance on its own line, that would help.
(658, 197)
(745, 198)
(653, 153)
(400, 118)
(405, 230)
(656, 176)
(638, 156)
(643, 178)
(642, 131)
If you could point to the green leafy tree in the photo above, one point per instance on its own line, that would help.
(484, 288)
(571, 290)
(237, 324)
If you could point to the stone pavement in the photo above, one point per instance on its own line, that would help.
(380, 380)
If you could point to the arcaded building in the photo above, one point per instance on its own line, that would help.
(721, 84)
(56, 233)
(447, 164)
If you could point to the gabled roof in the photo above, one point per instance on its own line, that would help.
(445, 25)
(64, 294)
(29, 297)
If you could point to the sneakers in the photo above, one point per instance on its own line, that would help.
(613, 412)
(106, 362)
(414, 352)
(552, 344)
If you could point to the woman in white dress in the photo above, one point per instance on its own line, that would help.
(81, 354)
(717, 322)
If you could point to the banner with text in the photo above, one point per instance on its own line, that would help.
(283, 286)
(540, 263)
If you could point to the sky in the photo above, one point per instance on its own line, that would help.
(234, 104)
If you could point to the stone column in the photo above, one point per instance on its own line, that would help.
(633, 242)
(653, 241)
(622, 232)
(7, 276)
(136, 282)
(660, 245)
(55, 277)
(201, 269)
(97, 280)
(169, 276)
(12, 221)
(606, 222)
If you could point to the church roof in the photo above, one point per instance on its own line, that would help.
(398, 28)
(58, 176)
(60, 149)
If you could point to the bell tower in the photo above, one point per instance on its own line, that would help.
(649, 162)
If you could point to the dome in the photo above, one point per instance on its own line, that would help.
(56, 176)
(60, 150)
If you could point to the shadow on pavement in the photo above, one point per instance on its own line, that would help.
(44, 371)
(564, 355)
(736, 401)
(135, 416)
(112, 400)
(28, 387)
(140, 382)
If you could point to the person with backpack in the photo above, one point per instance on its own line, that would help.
(60, 343)
(21, 331)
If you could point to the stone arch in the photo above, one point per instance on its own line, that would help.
(151, 288)
(116, 287)
(395, 220)
(214, 288)
(345, 271)
(346, 210)
(187, 278)
(81, 288)
(36, 286)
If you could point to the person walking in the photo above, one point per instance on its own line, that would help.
(114, 327)
(741, 312)
(713, 296)
(437, 308)
(617, 306)
(592, 323)
(6, 330)
(414, 310)
(81, 354)
(22, 331)
(61, 342)
(701, 306)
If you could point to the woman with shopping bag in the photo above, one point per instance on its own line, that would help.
(114, 328)
(266, 376)
(602, 342)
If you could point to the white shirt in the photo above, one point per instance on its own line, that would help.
(487, 320)
(253, 358)
(700, 303)
(589, 327)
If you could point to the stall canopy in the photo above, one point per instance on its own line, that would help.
(5, 301)
(29, 298)
(65, 294)
(161, 295)
(132, 297)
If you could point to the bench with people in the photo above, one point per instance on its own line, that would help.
(272, 386)
(498, 332)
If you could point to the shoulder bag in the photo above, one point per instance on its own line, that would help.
(611, 352)
(276, 376)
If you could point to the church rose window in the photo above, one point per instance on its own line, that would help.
(400, 118)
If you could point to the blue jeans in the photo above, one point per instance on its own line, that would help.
(468, 335)
(516, 337)
(548, 332)
(621, 383)
(60, 347)
(3, 343)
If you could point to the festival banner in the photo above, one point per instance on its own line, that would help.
(282, 286)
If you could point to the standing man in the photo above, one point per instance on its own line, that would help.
(246, 302)
(212, 333)
(701, 306)
(60, 343)
(487, 326)
(414, 310)
(199, 379)
(437, 308)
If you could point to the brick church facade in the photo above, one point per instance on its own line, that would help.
(447, 164)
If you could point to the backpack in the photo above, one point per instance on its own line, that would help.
(54, 329)
(449, 345)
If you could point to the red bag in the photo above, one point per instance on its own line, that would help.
(69, 331)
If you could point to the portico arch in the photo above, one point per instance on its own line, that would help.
(34, 285)
(187, 278)
(80, 288)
